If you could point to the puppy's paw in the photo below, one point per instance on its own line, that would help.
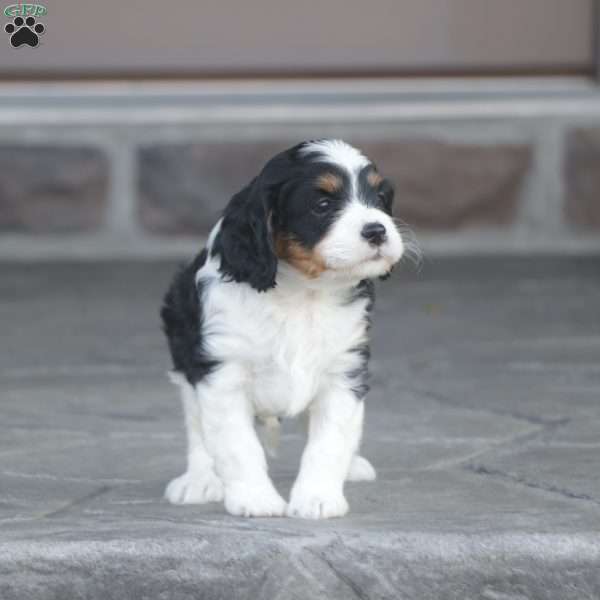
(194, 488)
(360, 470)
(246, 500)
(310, 502)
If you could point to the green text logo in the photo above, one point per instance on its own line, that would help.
(25, 10)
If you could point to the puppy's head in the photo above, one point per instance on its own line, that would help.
(322, 207)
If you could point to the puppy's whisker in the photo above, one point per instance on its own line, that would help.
(412, 249)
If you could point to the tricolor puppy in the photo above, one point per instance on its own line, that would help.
(271, 319)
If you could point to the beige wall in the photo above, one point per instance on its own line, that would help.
(233, 36)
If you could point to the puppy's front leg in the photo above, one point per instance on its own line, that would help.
(335, 428)
(230, 438)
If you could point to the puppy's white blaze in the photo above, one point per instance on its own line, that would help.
(344, 248)
(339, 153)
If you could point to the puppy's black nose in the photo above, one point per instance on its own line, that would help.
(374, 233)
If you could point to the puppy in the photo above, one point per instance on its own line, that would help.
(271, 319)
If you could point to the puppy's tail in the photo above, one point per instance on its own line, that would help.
(269, 429)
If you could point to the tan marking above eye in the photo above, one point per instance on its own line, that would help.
(374, 179)
(330, 183)
(307, 261)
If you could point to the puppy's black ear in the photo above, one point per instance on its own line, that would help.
(245, 241)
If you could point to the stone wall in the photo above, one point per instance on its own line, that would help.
(510, 180)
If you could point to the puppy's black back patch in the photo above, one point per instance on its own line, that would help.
(182, 318)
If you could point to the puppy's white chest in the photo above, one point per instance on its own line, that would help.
(287, 375)
(288, 342)
(308, 340)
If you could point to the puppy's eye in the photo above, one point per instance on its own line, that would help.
(322, 206)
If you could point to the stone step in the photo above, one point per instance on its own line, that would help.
(483, 423)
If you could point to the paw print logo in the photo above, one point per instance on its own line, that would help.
(24, 31)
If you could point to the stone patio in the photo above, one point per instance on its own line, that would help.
(483, 423)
